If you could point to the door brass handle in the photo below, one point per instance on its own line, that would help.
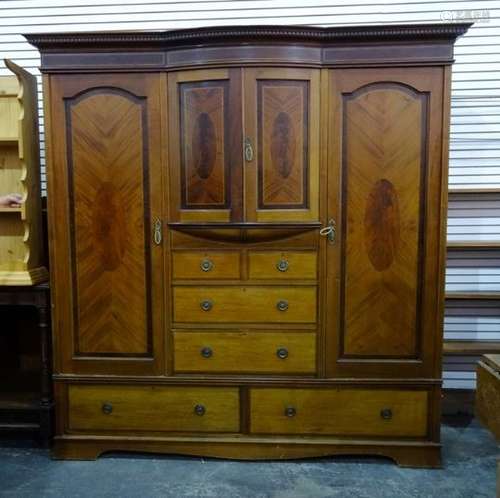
(329, 231)
(157, 232)
(248, 150)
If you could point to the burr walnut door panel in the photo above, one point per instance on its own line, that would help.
(205, 145)
(384, 273)
(105, 179)
(281, 144)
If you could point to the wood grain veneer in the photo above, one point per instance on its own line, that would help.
(247, 239)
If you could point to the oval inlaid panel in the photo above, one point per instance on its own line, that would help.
(382, 225)
(109, 226)
(204, 145)
(283, 144)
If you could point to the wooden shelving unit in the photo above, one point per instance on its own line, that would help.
(21, 248)
(454, 347)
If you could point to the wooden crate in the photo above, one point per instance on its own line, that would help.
(488, 393)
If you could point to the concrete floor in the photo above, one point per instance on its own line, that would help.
(470, 466)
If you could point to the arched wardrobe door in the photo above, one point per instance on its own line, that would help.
(385, 272)
(104, 169)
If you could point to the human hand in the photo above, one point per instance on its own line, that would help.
(11, 200)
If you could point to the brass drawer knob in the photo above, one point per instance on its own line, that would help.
(282, 353)
(206, 305)
(107, 408)
(206, 352)
(386, 413)
(199, 410)
(282, 265)
(207, 265)
(290, 411)
(282, 305)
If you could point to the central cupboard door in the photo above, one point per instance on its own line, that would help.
(205, 137)
(281, 144)
(244, 145)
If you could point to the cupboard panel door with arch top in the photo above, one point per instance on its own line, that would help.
(107, 164)
(385, 196)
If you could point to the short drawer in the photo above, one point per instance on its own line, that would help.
(154, 408)
(245, 352)
(282, 265)
(342, 412)
(205, 265)
(257, 304)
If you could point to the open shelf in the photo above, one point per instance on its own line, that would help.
(9, 140)
(20, 409)
(19, 426)
(10, 209)
(470, 347)
(473, 295)
(474, 244)
(474, 190)
(19, 400)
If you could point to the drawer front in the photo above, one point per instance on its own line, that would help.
(205, 265)
(154, 408)
(349, 412)
(282, 265)
(245, 304)
(245, 352)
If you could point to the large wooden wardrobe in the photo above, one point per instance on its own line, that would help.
(247, 239)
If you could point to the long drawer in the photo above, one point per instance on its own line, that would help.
(154, 408)
(257, 304)
(245, 352)
(343, 412)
